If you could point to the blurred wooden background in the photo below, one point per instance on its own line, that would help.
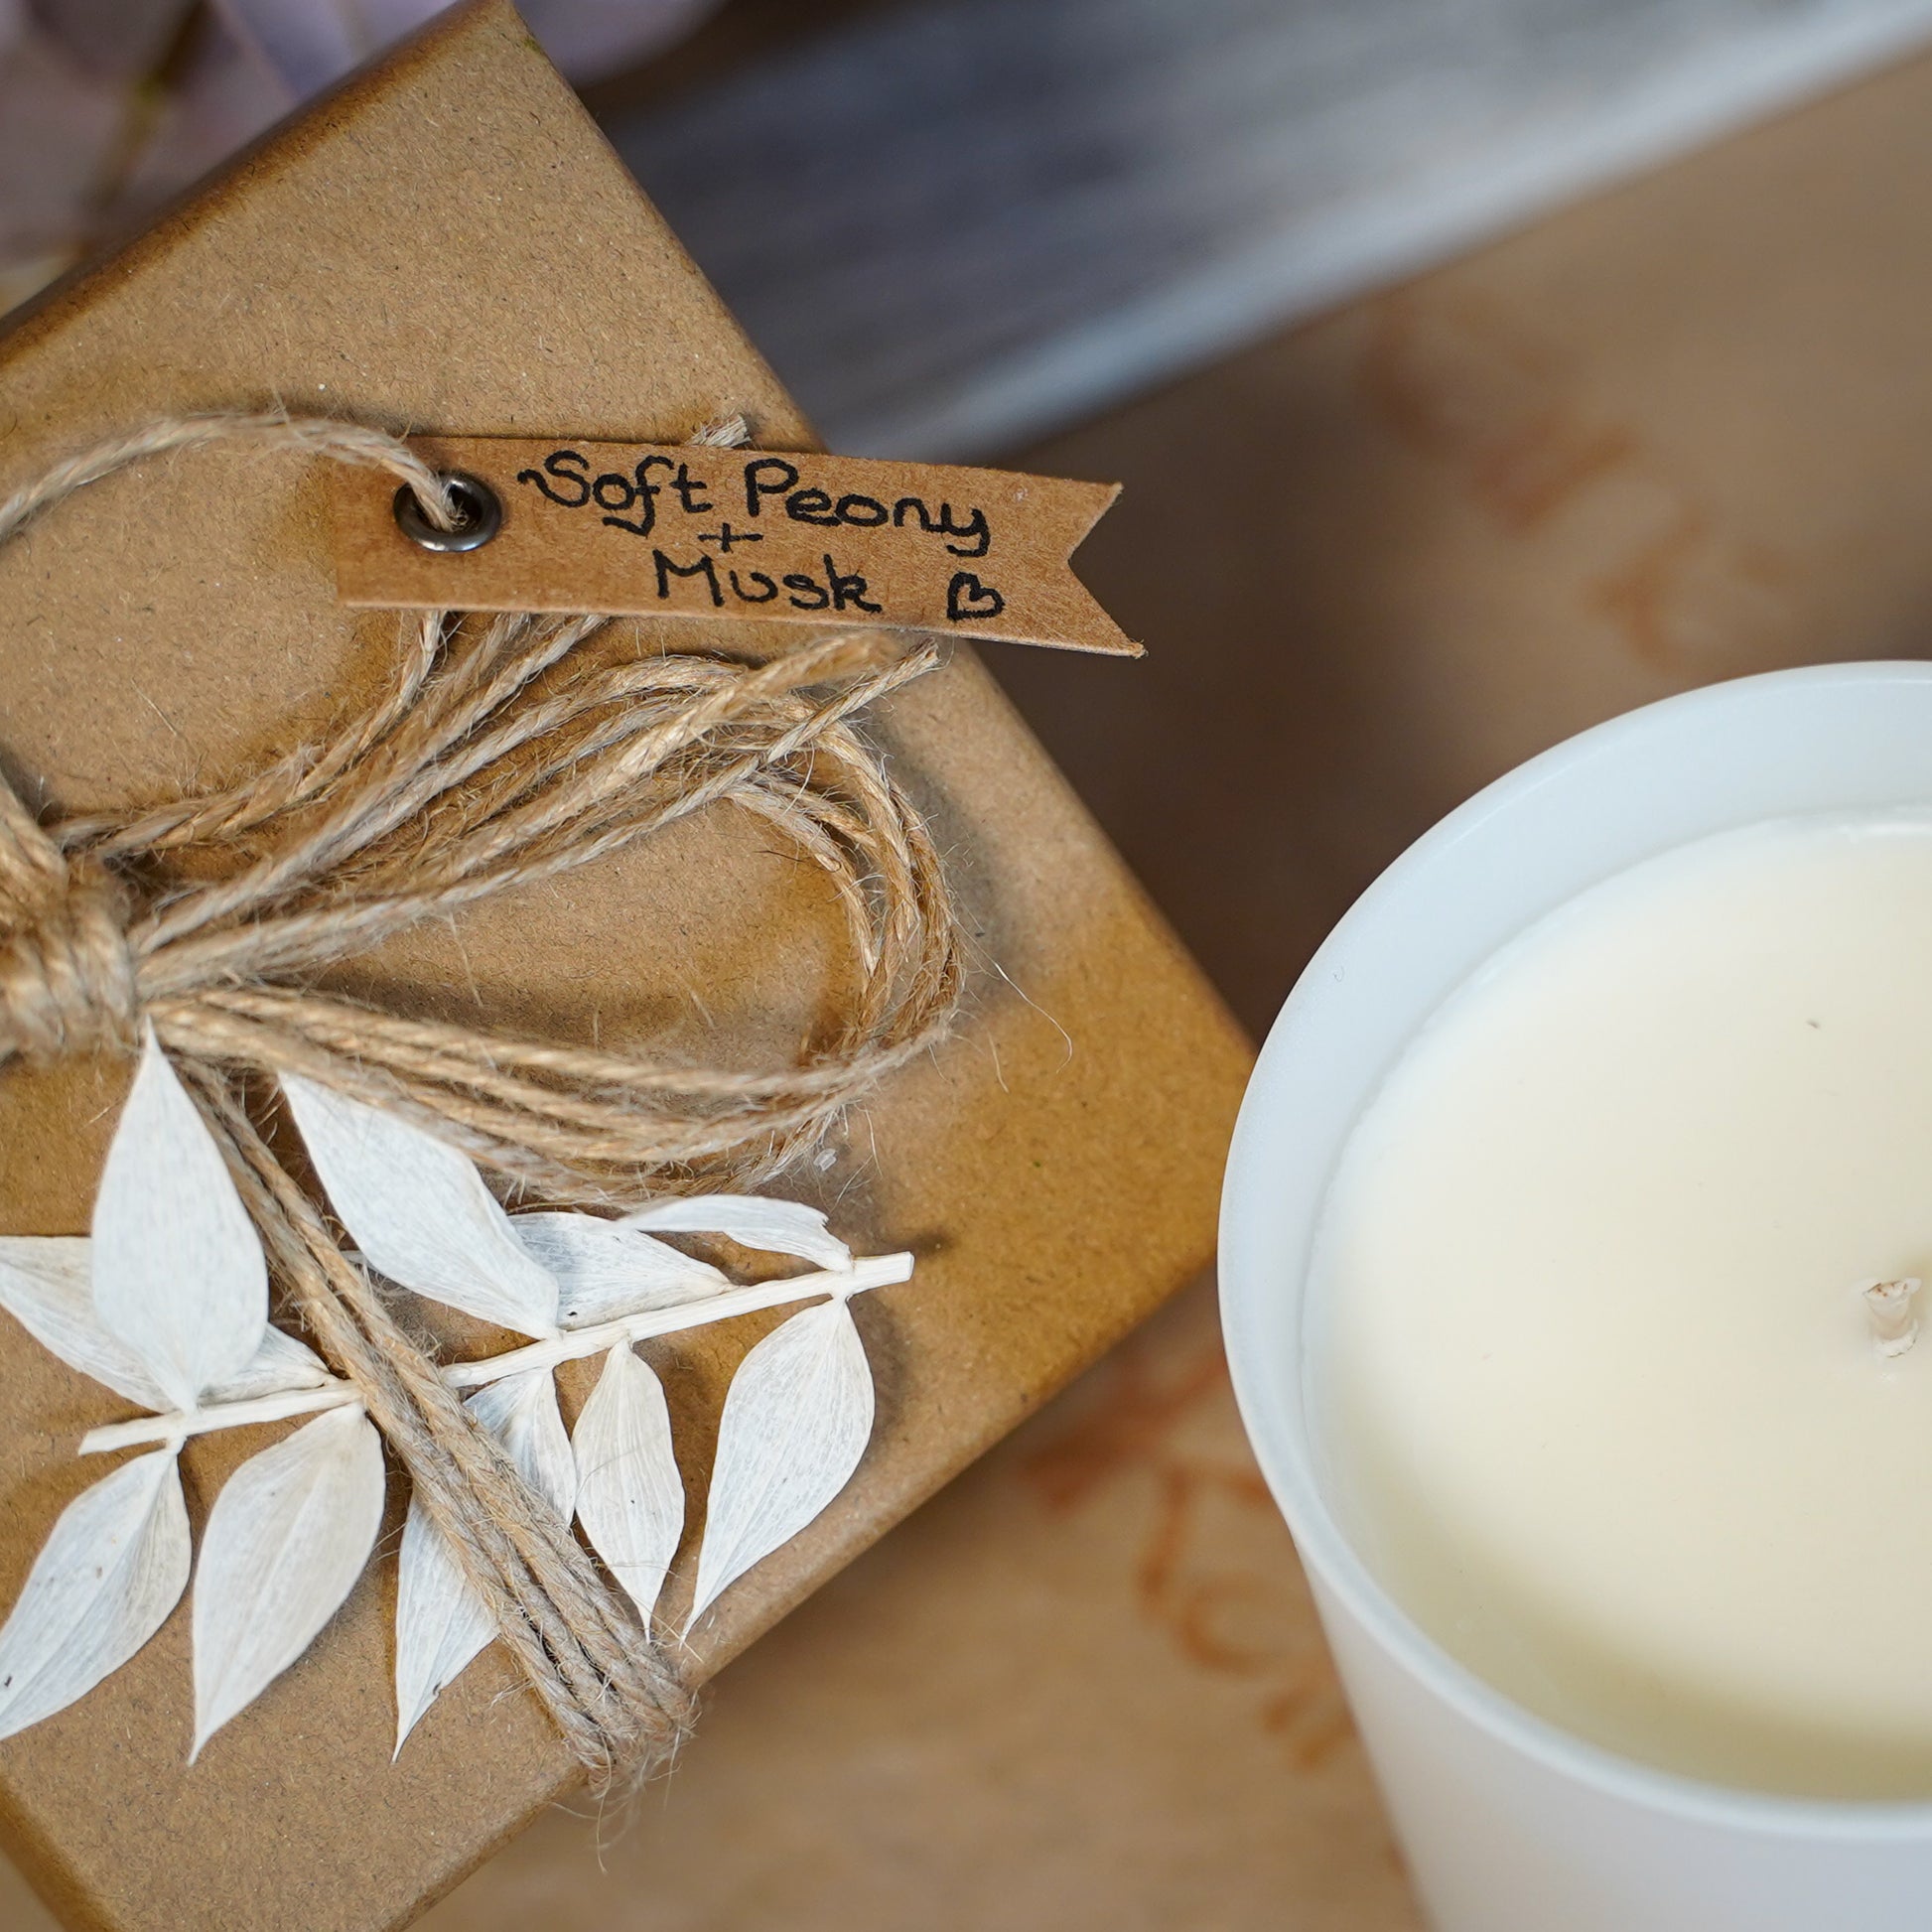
(955, 225)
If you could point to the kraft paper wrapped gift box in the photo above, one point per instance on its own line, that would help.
(449, 244)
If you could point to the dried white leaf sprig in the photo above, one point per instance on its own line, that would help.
(167, 1304)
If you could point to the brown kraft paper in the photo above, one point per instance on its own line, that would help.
(1054, 1168)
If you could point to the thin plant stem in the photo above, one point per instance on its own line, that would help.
(877, 1270)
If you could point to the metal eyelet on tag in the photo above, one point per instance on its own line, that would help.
(479, 514)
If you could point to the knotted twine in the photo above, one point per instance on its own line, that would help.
(495, 758)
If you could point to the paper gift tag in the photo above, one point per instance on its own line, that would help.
(570, 524)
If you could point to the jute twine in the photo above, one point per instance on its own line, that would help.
(491, 761)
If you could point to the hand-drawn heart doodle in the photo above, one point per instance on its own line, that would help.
(967, 598)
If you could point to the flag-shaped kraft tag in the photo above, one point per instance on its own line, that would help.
(697, 531)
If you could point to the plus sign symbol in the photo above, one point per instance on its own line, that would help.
(725, 536)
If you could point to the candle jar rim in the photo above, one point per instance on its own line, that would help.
(1799, 743)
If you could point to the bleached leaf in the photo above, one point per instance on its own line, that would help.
(286, 1538)
(47, 1286)
(796, 1420)
(419, 1211)
(280, 1363)
(441, 1622)
(178, 1268)
(784, 1227)
(604, 1270)
(630, 1496)
(115, 1565)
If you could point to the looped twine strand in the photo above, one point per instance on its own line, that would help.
(499, 755)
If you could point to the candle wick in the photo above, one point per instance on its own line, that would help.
(1888, 1304)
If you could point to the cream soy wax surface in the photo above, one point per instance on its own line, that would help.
(1612, 1365)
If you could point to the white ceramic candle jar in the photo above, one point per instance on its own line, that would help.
(1514, 1820)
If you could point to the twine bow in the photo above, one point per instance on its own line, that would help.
(499, 755)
